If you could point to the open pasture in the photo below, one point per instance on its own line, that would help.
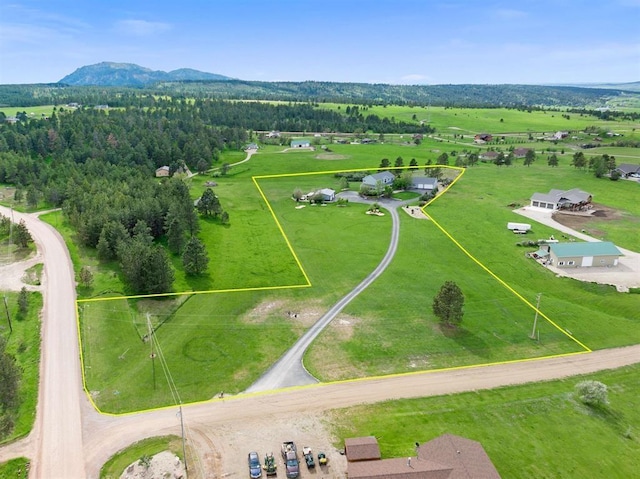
(224, 340)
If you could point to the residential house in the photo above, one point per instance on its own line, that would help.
(383, 179)
(12, 120)
(574, 199)
(424, 183)
(251, 146)
(581, 254)
(445, 457)
(163, 171)
(300, 144)
(488, 156)
(273, 134)
(323, 195)
(628, 170)
(520, 152)
(560, 135)
(482, 138)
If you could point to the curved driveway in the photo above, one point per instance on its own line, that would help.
(289, 369)
(70, 440)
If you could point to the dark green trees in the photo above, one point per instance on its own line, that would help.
(448, 304)
(195, 259)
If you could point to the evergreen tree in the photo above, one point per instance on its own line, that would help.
(448, 304)
(553, 160)
(195, 258)
(10, 381)
(21, 235)
(23, 301)
(175, 229)
(530, 157)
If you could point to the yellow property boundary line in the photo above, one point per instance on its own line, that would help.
(255, 179)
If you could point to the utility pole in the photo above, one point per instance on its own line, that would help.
(535, 318)
(184, 449)
(152, 355)
(6, 308)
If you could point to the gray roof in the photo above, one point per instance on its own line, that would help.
(599, 248)
(627, 168)
(385, 177)
(574, 196)
(424, 180)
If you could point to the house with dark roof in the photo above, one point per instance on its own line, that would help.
(581, 254)
(482, 137)
(445, 457)
(574, 199)
(628, 170)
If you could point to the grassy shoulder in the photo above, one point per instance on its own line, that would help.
(116, 465)
(24, 344)
(539, 430)
(15, 468)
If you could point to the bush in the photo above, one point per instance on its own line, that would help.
(592, 393)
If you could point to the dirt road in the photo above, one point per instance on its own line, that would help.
(70, 440)
(57, 435)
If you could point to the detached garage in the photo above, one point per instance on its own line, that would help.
(573, 255)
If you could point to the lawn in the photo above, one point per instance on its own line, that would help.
(15, 468)
(539, 430)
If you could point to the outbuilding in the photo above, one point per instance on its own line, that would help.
(582, 254)
(300, 144)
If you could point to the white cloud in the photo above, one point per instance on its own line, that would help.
(141, 28)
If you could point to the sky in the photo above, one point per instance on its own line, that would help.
(369, 41)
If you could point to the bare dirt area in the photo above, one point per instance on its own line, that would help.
(226, 447)
(415, 212)
(331, 156)
(581, 221)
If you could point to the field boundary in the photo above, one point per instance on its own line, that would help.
(307, 284)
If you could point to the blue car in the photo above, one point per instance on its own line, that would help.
(255, 471)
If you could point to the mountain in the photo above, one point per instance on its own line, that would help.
(129, 74)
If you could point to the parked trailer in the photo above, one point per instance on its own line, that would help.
(519, 227)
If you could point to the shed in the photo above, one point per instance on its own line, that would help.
(361, 448)
(583, 254)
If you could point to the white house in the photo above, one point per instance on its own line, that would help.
(300, 144)
(559, 199)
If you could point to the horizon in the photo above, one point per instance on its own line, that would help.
(410, 42)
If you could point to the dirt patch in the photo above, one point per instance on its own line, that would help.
(164, 465)
(332, 156)
(232, 444)
(580, 222)
(304, 314)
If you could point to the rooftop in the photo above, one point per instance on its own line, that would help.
(600, 248)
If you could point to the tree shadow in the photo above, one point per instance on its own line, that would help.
(467, 340)
(202, 282)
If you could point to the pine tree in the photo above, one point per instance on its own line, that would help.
(195, 258)
(448, 304)
(21, 235)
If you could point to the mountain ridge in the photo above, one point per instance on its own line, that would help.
(130, 74)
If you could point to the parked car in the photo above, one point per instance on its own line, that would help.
(255, 470)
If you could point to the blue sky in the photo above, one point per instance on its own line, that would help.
(372, 41)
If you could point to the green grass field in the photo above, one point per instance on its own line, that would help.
(224, 340)
(540, 430)
(15, 468)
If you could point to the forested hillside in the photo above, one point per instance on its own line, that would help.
(360, 93)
